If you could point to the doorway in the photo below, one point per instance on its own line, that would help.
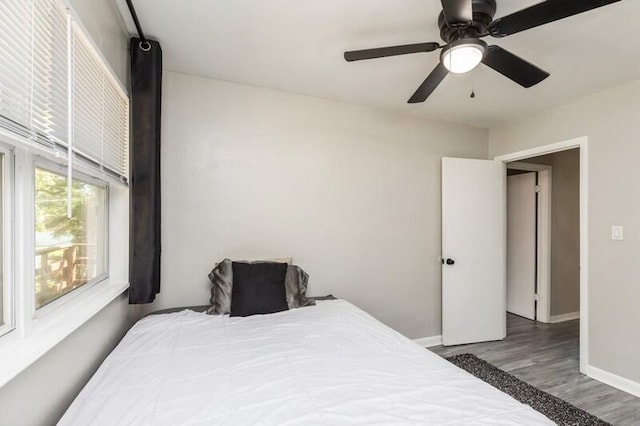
(580, 145)
(543, 237)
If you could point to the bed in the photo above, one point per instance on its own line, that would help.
(329, 364)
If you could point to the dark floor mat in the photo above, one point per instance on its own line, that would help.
(559, 411)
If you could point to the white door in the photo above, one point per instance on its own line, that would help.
(473, 251)
(521, 244)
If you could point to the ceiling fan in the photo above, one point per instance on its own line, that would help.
(462, 25)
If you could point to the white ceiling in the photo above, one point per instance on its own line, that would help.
(297, 46)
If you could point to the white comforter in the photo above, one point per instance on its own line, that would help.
(330, 364)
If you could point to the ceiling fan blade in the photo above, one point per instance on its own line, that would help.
(542, 13)
(429, 85)
(457, 12)
(381, 52)
(511, 66)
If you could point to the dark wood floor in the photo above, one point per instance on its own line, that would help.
(547, 357)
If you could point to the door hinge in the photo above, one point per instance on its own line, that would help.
(535, 297)
(538, 188)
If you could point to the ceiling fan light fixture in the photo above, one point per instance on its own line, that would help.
(463, 55)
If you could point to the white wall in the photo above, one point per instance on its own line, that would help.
(41, 393)
(351, 192)
(610, 121)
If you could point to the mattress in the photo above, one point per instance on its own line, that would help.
(329, 364)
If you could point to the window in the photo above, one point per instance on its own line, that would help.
(56, 90)
(6, 253)
(64, 140)
(69, 252)
(3, 311)
(60, 100)
(100, 111)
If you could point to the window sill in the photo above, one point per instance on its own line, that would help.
(18, 351)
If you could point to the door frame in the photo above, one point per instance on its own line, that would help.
(582, 144)
(543, 230)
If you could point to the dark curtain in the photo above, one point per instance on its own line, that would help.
(146, 94)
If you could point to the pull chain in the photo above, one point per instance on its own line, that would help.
(473, 93)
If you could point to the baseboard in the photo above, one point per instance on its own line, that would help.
(565, 317)
(619, 382)
(427, 342)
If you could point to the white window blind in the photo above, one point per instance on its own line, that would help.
(88, 79)
(100, 110)
(49, 108)
(15, 64)
(42, 97)
(115, 130)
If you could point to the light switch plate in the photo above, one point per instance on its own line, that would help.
(617, 233)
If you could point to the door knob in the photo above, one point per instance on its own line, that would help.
(448, 261)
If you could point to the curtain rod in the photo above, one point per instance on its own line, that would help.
(134, 15)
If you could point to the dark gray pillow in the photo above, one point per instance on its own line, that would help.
(296, 282)
(258, 288)
(221, 287)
